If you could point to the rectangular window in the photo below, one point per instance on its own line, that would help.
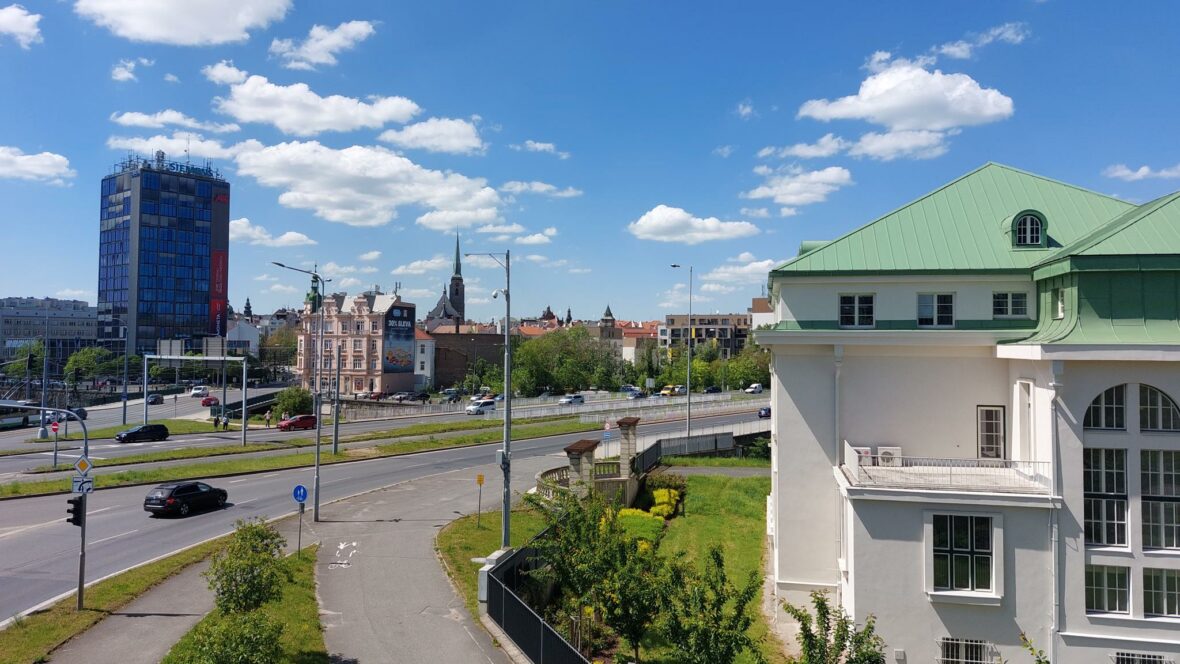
(421, 349)
(1010, 305)
(856, 311)
(964, 651)
(356, 345)
(1058, 303)
(421, 366)
(1160, 474)
(374, 326)
(357, 363)
(1161, 592)
(1104, 478)
(373, 364)
(1157, 411)
(1139, 658)
(1106, 589)
(962, 552)
(1108, 410)
(990, 430)
(936, 309)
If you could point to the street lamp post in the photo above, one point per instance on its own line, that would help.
(506, 452)
(319, 416)
(688, 418)
(120, 321)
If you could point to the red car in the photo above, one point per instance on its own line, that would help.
(210, 401)
(298, 422)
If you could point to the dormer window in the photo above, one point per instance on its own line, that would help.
(1029, 230)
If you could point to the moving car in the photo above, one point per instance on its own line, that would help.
(155, 399)
(637, 395)
(143, 432)
(571, 399)
(480, 407)
(712, 389)
(764, 412)
(754, 388)
(183, 497)
(199, 391)
(297, 422)
(210, 401)
(75, 414)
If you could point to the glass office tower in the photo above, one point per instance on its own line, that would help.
(163, 268)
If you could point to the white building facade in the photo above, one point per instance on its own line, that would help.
(974, 432)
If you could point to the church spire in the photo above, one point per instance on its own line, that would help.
(458, 265)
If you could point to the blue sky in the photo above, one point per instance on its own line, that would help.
(600, 142)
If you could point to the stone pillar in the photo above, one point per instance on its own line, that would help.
(581, 457)
(627, 442)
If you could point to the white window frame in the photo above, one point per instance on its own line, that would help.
(857, 303)
(1028, 226)
(1105, 411)
(1102, 580)
(936, 316)
(1124, 657)
(1157, 410)
(1160, 503)
(1058, 296)
(1171, 598)
(960, 651)
(992, 597)
(980, 434)
(1009, 306)
(1105, 500)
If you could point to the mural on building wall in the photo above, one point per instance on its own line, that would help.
(398, 344)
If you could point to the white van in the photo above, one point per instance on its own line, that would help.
(754, 388)
(199, 391)
(481, 407)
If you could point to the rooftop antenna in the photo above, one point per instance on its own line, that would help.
(397, 286)
(188, 139)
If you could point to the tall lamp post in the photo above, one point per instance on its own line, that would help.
(123, 323)
(506, 452)
(688, 419)
(319, 416)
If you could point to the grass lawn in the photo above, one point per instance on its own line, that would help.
(716, 462)
(460, 541)
(297, 610)
(33, 637)
(169, 455)
(175, 427)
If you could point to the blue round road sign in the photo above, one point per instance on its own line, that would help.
(300, 493)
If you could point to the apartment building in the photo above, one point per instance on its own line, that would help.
(729, 331)
(975, 431)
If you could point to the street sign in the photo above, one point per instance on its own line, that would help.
(479, 479)
(82, 484)
(300, 493)
(53, 427)
(83, 465)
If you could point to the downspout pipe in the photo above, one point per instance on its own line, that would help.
(1058, 368)
(838, 356)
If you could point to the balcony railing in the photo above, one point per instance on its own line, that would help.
(945, 474)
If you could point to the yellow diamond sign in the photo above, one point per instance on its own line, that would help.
(83, 465)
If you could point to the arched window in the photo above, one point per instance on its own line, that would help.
(1030, 230)
(1108, 410)
(1157, 411)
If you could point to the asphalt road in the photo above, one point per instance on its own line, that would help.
(39, 549)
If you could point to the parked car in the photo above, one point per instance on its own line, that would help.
(668, 391)
(764, 412)
(712, 389)
(754, 388)
(210, 401)
(143, 432)
(199, 391)
(453, 398)
(497, 397)
(155, 399)
(297, 422)
(637, 395)
(480, 407)
(183, 497)
(74, 415)
(421, 396)
(571, 399)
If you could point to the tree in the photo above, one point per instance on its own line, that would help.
(241, 638)
(565, 360)
(706, 618)
(88, 362)
(30, 355)
(293, 401)
(752, 365)
(832, 638)
(248, 572)
(631, 594)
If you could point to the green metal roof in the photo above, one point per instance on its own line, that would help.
(964, 226)
(1150, 229)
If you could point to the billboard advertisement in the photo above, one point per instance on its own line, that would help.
(397, 349)
(218, 291)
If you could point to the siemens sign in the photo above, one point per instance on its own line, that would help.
(397, 351)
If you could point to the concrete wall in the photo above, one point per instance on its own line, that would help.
(896, 297)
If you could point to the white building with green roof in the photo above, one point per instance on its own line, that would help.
(974, 425)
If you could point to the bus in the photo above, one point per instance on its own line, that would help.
(12, 416)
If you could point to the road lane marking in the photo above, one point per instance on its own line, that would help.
(244, 479)
(21, 529)
(107, 539)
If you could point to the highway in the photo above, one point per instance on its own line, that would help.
(39, 549)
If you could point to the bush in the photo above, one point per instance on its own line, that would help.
(639, 525)
(293, 401)
(238, 638)
(831, 636)
(666, 497)
(663, 511)
(248, 572)
(667, 481)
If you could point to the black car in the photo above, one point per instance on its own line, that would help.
(183, 497)
(712, 389)
(155, 399)
(764, 412)
(143, 432)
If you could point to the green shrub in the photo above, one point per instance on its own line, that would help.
(248, 572)
(640, 525)
(667, 481)
(293, 401)
(663, 511)
(238, 638)
(630, 511)
(666, 497)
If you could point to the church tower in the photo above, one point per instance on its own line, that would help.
(455, 292)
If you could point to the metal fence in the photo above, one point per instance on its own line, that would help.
(702, 405)
(536, 638)
(889, 470)
(647, 459)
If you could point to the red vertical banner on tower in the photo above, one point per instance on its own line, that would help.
(218, 291)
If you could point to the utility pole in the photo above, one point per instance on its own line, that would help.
(43, 433)
(336, 404)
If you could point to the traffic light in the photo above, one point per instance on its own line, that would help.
(76, 510)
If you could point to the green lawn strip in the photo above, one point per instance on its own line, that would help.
(175, 427)
(446, 427)
(731, 512)
(172, 455)
(33, 637)
(298, 611)
(4, 453)
(461, 540)
(716, 462)
(282, 462)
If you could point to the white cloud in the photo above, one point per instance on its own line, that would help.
(1121, 172)
(893, 144)
(826, 146)
(436, 264)
(417, 292)
(549, 232)
(677, 296)
(536, 146)
(40, 167)
(787, 212)
(349, 282)
(179, 142)
(542, 188)
(322, 44)
(580, 270)
(745, 110)
(265, 277)
(744, 269)
(723, 151)
(793, 186)
(485, 262)
(536, 258)
(719, 289)
(183, 23)
(365, 185)
(241, 230)
(334, 270)
(124, 70)
(535, 238)
(72, 293)
(501, 228)
(437, 135)
(755, 213)
(669, 224)
(370, 255)
(368, 269)
(169, 117)
(1011, 33)
(18, 23)
(171, 78)
(282, 288)
(296, 109)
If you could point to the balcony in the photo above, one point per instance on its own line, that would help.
(888, 471)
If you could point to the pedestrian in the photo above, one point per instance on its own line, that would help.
(285, 416)
(267, 417)
(225, 422)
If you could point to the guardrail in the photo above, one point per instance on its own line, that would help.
(946, 474)
(703, 438)
(660, 411)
